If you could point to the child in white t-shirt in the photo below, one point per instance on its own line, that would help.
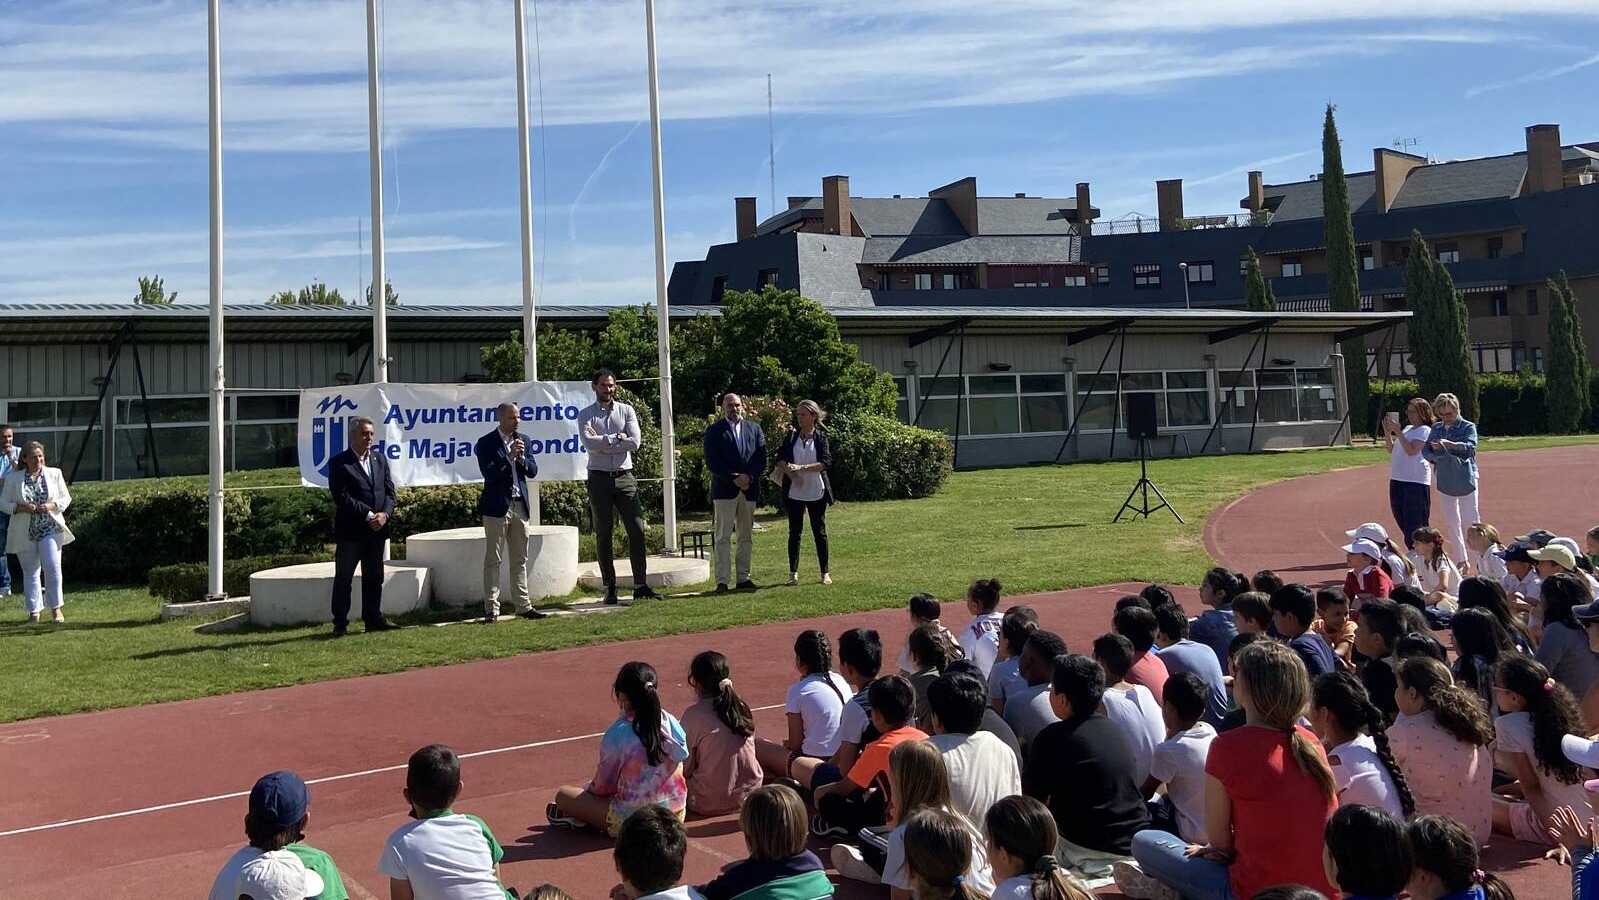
(443, 855)
(979, 640)
(1021, 850)
(814, 708)
(1179, 761)
(1485, 545)
(1131, 706)
(1440, 579)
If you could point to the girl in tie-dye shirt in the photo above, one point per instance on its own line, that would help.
(641, 760)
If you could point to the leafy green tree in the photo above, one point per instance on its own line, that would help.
(153, 292)
(1343, 268)
(1440, 342)
(1257, 290)
(282, 298)
(1567, 368)
(564, 355)
(314, 294)
(389, 295)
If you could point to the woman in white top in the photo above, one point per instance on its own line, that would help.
(1352, 729)
(814, 707)
(35, 496)
(803, 461)
(1409, 472)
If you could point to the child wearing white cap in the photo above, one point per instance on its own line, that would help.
(1396, 563)
(277, 864)
(1366, 577)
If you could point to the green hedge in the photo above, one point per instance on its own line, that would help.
(880, 458)
(1512, 404)
(186, 582)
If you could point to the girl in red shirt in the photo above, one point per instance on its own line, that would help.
(1269, 794)
(1366, 577)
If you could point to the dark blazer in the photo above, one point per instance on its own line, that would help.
(355, 495)
(824, 455)
(724, 460)
(499, 473)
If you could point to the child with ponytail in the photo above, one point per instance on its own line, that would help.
(1441, 743)
(1269, 795)
(938, 858)
(1353, 730)
(641, 761)
(1021, 849)
(721, 769)
(1447, 866)
(814, 708)
(1537, 714)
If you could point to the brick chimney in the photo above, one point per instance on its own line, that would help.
(1085, 210)
(1543, 159)
(1257, 192)
(1169, 202)
(1391, 167)
(962, 199)
(835, 205)
(744, 217)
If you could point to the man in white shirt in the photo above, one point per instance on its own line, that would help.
(982, 770)
(610, 432)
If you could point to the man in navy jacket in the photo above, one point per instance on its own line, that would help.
(735, 452)
(506, 467)
(363, 501)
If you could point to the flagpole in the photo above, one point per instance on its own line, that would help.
(663, 325)
(218, 379)
(380, 284)
(530, 349)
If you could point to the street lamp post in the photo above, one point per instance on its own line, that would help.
(1184, 268)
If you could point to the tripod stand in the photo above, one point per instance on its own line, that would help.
(1144, 485)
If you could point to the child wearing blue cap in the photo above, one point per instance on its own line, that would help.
(278, 864)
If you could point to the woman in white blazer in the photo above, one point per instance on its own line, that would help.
(35, 496)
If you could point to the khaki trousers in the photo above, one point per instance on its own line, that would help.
(725, 515)
(508, 530)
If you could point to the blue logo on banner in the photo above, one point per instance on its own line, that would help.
(328, 431)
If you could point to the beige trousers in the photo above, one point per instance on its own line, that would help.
(509, 530)
(725, 515)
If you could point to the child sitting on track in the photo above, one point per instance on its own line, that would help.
(279, 808)
(779, 867)
(721, 768)
(443, 855)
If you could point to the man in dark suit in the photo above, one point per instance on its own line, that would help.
(735, 452)
(363, 501)
(506, 467)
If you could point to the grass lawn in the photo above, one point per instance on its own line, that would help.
(1037, 528)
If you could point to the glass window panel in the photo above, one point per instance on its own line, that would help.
(1176, 380)
(31, 414)
(943, 386)
(991, 384)
(1099, 384)
(1188, 408)
(1235, 406)
(76, 412)
(1277, 406)
(1044, 413)
(258, 446)
(1043, 384)
(1098, 412)
(164, 411)
(1309, 377)
(993, 415)
(939, 415)
(181, 451)
(61, 449)
(258, 407)
(902, 409)
(1141, 381)
(1316, 403)
(1276, 377)
(1235, 378)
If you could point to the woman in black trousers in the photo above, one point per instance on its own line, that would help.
(805, 459)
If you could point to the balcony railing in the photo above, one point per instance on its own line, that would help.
(1141, 224)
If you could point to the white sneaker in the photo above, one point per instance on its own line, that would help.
(849, 863)
(1138, 885)
(5, 590)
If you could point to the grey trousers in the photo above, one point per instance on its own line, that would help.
(608, 495)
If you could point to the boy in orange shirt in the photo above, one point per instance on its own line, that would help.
(862, 798)
(1334, 624)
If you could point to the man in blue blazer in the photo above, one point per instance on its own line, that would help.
(735, 452)
(363, 501)
(506, 467)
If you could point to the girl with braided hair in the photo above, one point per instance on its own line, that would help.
(641, 760)
(1441, 743)
(814, 709)
(1538, 712)
(1021, 849)
(1354, 731)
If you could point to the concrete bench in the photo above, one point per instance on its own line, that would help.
(296, 594)
(663, 572)
(455, 557)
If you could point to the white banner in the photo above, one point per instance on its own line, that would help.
(428, 431)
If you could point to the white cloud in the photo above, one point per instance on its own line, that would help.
(1531, 77)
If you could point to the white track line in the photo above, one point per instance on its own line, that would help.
(51, 826)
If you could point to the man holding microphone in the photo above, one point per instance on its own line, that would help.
(507, 469)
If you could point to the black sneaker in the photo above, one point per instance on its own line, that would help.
(559, 820)
(534, 614)
(746, 585)
(341, 630)
(721, 588)
(644, 592)
(821, 828)
(610, 596)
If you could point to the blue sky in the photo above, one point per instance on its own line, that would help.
(103, 121)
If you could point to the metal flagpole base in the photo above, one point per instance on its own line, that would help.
(1143, 487)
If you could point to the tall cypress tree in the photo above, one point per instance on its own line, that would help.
(1343, 268)
(1567, 370)
(1257, 290)
(1440, 342)
(1422, 330)
(1454, 353)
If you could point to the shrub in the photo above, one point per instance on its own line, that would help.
(879, 458)
(186, 582)
(654, 540)
(121, 536)
(1512, 404)
(433, 508)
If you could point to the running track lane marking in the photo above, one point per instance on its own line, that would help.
(51, 826)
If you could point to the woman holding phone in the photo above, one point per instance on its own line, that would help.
(1452, 450)
(1409, 470)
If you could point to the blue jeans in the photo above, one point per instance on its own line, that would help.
(1161, 856)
